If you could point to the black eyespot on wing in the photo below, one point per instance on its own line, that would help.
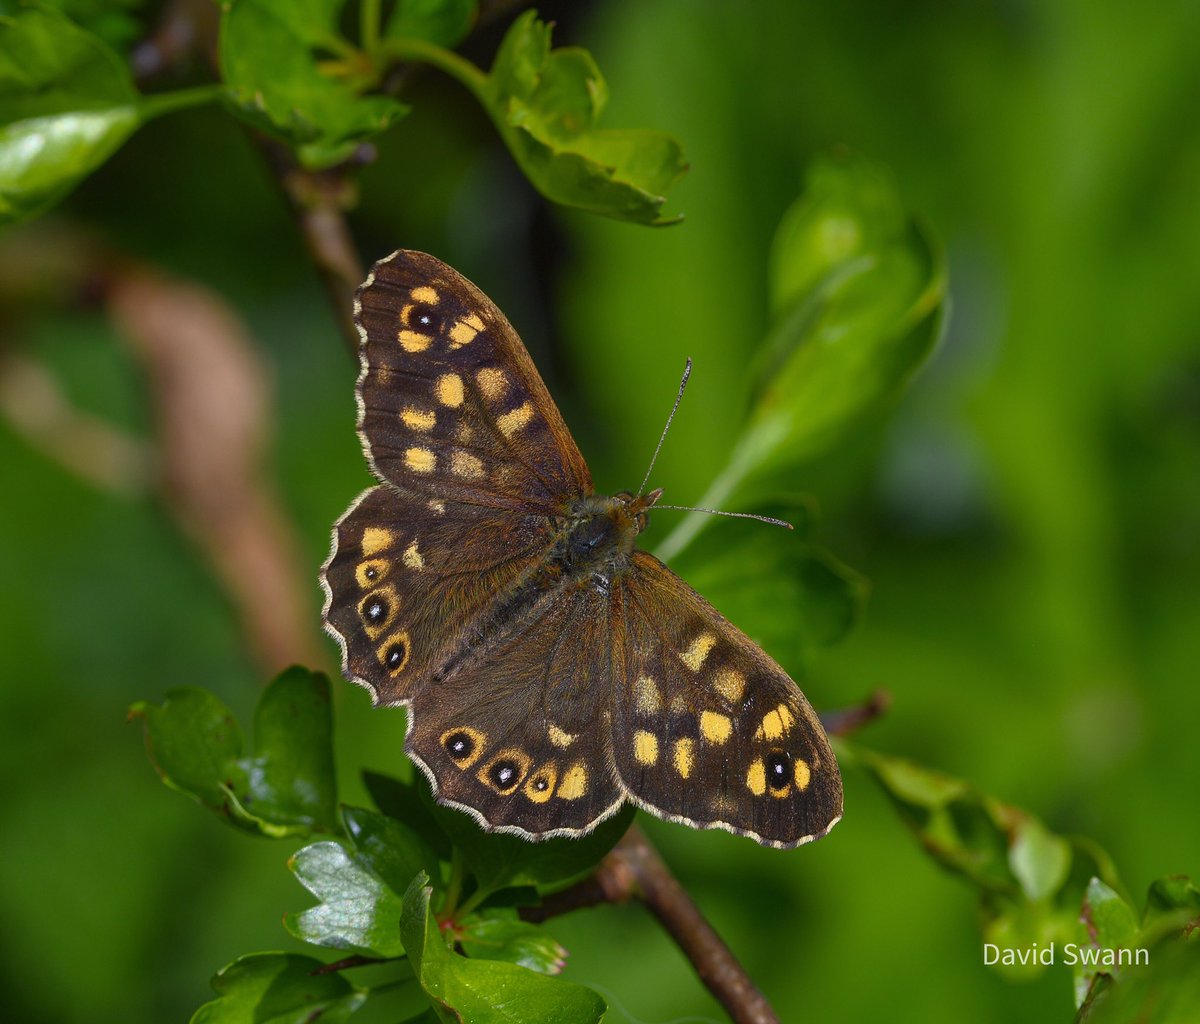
(779, 769)
(505, 775)
(395, 656)
(541, 784)
(460, 746)
(371, 573)
(375, 610)
(424, 318)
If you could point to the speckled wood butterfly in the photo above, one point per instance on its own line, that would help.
(552, 671)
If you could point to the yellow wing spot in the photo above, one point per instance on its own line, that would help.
(803, 775)
(423, 293)
(375, 540)
(715, 727)
(515, 419)
(646, 695)
(370, 572)
(413, 558)
(462, 333)
(414, 341)
(730, 684)
(472, 320)
(776, 723)
(560, 738)
(418, 419)
(756, 778)
(685, 756)
(645, 747)
(449, 390)
(574, 782)
(698, 650)
(466, 464)
(437, 507)
(540, 786)
(492, 382)
(420, 460)
(465, 433)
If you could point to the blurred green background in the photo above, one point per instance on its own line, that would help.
(1029, 515)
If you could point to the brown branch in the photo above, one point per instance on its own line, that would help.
(634, 870)
(212, 404)
(845, 721)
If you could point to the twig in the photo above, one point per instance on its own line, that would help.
(634, 870)
(845, 721)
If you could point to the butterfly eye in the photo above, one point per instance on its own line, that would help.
(779, 769)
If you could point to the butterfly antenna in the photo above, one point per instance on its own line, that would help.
(736, 515)
(687, 372)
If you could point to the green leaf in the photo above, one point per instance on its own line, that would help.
(443, 22)
(1030, 881)
(486, 990)
(858, 290)
(798, 597)
(501, 935)
(545, 104)
(1106, 922)
(67, 103)
(287, 788)
(390, 849)
(404, 801)
(497, 861)
(1167, 991)
(278, 988)
(289, 72)
(358, 909)
(858, 293)
(1173, 902)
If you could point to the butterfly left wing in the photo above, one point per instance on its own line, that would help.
(513, 737)
(706, 728)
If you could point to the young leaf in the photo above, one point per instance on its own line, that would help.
(442, 22)
(858, 290)
(287, 788)
(1165, 992)
(1030, 881)
(1106, 922)
(545, 104)
(358, 909)
(278, 988)
(288, 71)
(501, 935)
(486, 991)
(67, 102)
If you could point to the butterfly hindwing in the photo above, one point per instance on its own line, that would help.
(706, 727)
(511, 736)
(451, 405)
(409, 577)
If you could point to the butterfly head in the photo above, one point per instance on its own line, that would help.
(633, 508)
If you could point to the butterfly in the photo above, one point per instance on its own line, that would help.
(552, 671)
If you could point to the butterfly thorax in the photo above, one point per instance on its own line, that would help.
(599, 533)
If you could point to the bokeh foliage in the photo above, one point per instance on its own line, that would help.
(1027, 517)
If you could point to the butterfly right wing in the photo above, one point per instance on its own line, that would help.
(409, 578)
(706, 728)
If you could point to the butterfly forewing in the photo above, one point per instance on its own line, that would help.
(410, 578)
(706, 727)
(451, 405)
(512, 736)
